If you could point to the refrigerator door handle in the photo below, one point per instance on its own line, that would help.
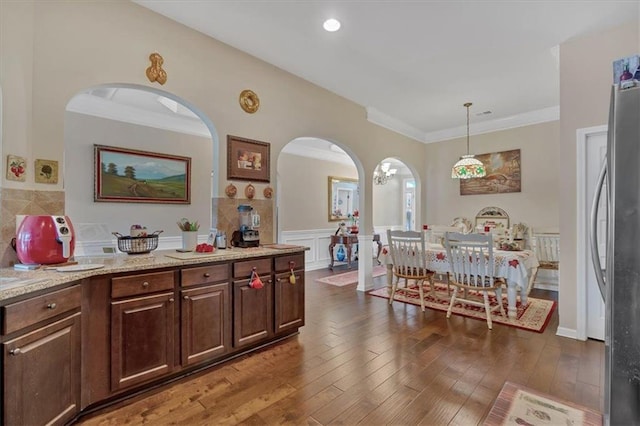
(593, 236)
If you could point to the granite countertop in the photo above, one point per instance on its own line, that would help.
(15, 283)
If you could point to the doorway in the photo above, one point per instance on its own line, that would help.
(592, 149)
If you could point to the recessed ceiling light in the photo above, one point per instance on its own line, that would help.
(331, 25)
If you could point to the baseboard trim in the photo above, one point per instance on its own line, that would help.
(571, 333)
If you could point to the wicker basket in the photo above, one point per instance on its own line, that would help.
(137, 245)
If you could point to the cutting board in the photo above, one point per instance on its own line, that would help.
(191, 255)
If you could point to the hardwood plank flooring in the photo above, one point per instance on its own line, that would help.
(359, 360)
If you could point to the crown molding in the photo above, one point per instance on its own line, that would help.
(383, 120)
(526, 119)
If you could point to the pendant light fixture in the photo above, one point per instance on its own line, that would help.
(468, 166)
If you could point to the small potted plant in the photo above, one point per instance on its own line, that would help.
(354, 221)
(189, 230)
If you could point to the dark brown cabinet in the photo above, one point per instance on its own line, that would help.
(289, 293)
(142, 339)
(205, 323)
(41, 367)
(252, 307)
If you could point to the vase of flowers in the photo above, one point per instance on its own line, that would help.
(353, 217)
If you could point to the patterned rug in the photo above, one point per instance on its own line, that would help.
(534, 316)
(350, 277)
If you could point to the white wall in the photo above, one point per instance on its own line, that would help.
(83, 131)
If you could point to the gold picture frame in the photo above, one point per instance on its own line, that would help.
(503, 174)
(46, 171)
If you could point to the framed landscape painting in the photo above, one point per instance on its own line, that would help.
(503, 174)
(133, 176)
(248, 159)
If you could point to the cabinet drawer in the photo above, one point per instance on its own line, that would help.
(204, 275)
(243, 269)
(27, 312)
(283, 265)
(133, 285)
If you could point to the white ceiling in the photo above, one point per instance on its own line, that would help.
(413, 64)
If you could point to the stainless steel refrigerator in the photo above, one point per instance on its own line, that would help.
(619, 278)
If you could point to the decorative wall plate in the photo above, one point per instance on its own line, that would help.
(231, 190)
(250, 191)
(268, 192)
(249, 101)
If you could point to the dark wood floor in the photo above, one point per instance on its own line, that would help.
(360, 361)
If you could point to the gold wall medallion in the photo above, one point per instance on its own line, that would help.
(249, 101)
(268, 192)
(155, 71)
(249, 191)
(231, 190)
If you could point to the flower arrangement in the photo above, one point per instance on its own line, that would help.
(186, 225)
(353, 217)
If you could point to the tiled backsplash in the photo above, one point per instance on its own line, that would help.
(15, 202)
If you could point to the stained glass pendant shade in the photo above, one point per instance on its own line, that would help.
(468, 166)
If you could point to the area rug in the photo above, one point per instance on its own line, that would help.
(350, 277)
(518, 405)
(533, 316)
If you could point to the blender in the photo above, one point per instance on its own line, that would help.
(247, 235)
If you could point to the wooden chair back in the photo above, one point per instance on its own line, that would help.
(407, 248)
(545, 243)
(471, 260)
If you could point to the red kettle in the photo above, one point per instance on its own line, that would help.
(45, 239)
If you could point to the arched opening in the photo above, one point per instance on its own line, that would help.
(143, 119)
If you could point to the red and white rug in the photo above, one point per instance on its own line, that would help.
(350, 277)
(533, 316)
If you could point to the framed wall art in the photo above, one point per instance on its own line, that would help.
(46, 171)
(503, 174)
(248, 159)
(133, 176)
(16, 168)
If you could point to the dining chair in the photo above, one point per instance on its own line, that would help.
(471, 265)
(409, 264)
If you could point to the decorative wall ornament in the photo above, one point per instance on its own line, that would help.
(155, 71)
(249, 101)
(503, 174)
(268, 192)
(231, 190)
(250, 191)
(16, 168)
(46, 171)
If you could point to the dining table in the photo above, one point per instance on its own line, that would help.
(517, 267)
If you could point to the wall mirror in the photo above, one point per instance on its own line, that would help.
(344, 197)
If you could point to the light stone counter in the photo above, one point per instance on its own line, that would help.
(17, 283)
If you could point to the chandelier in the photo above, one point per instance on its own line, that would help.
(468, 166)
(383, 173)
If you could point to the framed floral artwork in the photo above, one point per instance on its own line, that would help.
(133, 176)
(248, 159)
(46, 171)
(16, 168)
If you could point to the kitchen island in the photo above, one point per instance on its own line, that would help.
(78, 340)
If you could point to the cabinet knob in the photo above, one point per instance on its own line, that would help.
(277, 280)
(15, 351)
(186, 297)
(207, 275)
(171, 300)
(145, 284)
(51, 305)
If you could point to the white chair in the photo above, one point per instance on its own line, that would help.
(545, 243)
(409, 263)
(472, 265)
(436, 233)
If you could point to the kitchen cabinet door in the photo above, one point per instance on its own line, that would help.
(142, 339)
(206, 323)
(42, 374)
(289, 301)
(252, 312)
